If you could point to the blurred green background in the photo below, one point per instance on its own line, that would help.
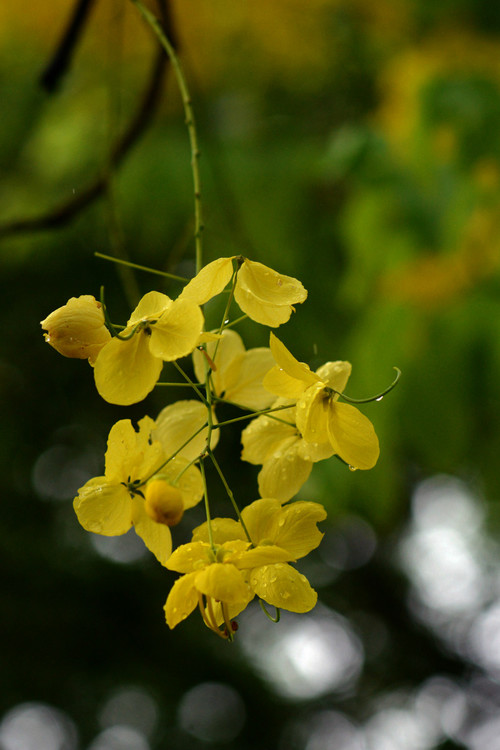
(355, 146)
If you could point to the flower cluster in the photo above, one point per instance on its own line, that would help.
(155, 473)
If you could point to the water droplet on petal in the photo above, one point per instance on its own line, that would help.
(353, 468)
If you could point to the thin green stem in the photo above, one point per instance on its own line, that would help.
(236, 321)
(378, 397)
(207, 506)
(190, 123)
(188, 380)
(266, 412)
(276, 618)
(141, 268)
(229, 494)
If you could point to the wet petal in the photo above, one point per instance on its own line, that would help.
(244, 383)
(353, 436)
(156, 536)
(283, 587)
(282, 476)
(264, 437)
(335, 374)
(223, 530)
(126, 371)
(209, 282)
(264, 554)
(223, 353)
(295, 527)
(177, 331)
(176, 424)
(224, 582)
(189, 557)
(181, 600)
(104, 508)
(151, 306)
(265, 295)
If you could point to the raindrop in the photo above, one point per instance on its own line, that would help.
(353, 468)
(379, 398)
(226, 322)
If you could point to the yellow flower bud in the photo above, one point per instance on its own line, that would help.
(77, 329)
(163, 502)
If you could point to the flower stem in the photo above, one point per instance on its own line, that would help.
(141, 268)
(190, 123)
(230, 495)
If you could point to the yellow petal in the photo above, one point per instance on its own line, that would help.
(313, 414)
(156, 536)
(278, 382)
(314, 451)
(122, 445)
(295, 527)
(244, 382)
(259, 518)
(189, 557)
(151, 306)
(126, 371)
(223, 530)
(265, 295)
(265, 554)
(283, 475)
(77, 329)
(264, 437)
(209, 282)
(224, 582)
(352, 436)
(178, 422)
(283, 587)
(287, 362)
(222, 353)
(335, 374)
(177, 331)
(104, 508)
(181, 600)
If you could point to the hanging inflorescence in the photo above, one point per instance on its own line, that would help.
(154, 474)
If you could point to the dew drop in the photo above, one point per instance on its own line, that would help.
(226, 322)
(285, 595)
(379, 398)
(281, 522)
(279, 282)
(353, 468)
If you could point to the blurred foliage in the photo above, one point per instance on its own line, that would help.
(353, 145)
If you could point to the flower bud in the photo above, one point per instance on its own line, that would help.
(77, 329)
(163, 502)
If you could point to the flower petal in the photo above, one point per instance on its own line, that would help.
(181, 600)
(335, 374)
(264, 554)
(283, 587)
(190, 484)
(189, 557)
(104, 508)
(263, 437)
(209, 282)
(177, 331)
(295, 527)
(244, 382)
(223, 530)
(282, 476)
(224, 582)
(126, 371)
(265, 295)
(156, 536)
(176, 424)
(222, 352)
(353, 436)
(150, 307)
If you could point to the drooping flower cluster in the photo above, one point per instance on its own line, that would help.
(155, 473)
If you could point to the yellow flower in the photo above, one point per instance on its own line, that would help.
(77, 329)
(237, 375)
(215, 579)
(165, 330)
(113, 503)
(263, 294)
(320, 417)
(286, 458)
(291, 529)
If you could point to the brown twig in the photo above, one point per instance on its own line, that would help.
(66, 211)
